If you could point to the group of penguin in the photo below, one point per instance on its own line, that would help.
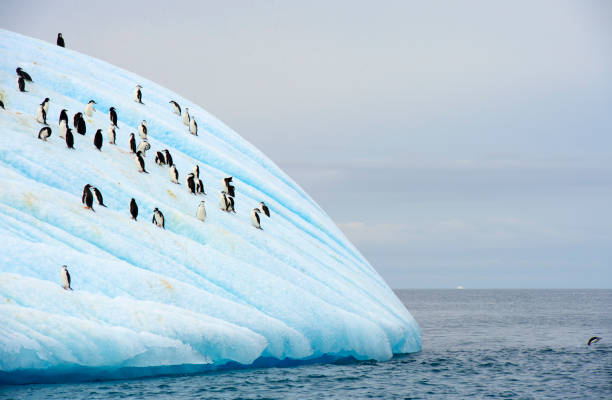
(162, 158)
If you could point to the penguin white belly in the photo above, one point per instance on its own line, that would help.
(89, 109)
(63, 128)
(186, 118)
(39, 115)
(255, 219)
(201, 214)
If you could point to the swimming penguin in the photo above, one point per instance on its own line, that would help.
(45, 104)
(142, 129)
(199, 186)
(174, 175)
(112, 115)
(255, 218)
(41, 114)
(21, 83)
(65, 278)
(159, 158)
(60, 40)
(138, 94)
(69, 139)
(112, 136)
(63, 116)
(593, 340)
(223, 201)
(196, 171)
(193, 127)
(158, 218)
(201, 212)
(24, 74)
(44, 133)
(89, 108)
(63, 128)
(168, 158)
(133, 209)
(230, 204)
(143, 147)
(98, 195)
(87, 198)
(227, 186)
(132, 143)
(264, 209)
(98, 139)
(186, 117)
(191, 183)
(140, 162)
(175, 107)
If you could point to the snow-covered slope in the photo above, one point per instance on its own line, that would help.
(197, 294)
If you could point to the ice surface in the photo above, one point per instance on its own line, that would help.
(196, 293)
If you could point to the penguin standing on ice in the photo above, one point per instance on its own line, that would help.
(112, 136)
(158, 218)
(87, 198)
(60, 40)
(69, 138)
(89, 108)
(255, 218)
(44, 133)
(138, 94)
(79, 123)
(133, 209)
(132, 143)
(201, 212)
(23, 74)
(191, 183)
(174, 175)
(175, 107)
(21, 83)
(98, 139)
(140, 162)
(264, 209)
(142, 130)
(63, 116)
(168, 158)
(112, 115)
(41, 114)
(98, 195)
(186, 117)
(159, 158)
(193, 127)
(65, 278)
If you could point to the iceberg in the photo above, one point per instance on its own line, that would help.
(191, 297)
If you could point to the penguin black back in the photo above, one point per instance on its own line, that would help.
(98, 195)
(1, 105)
(98, 139)
(24, 74)
(168, 158)
(60, 40)
(133, 209)
(132, 143)
(63, 117)
(159, 158)
(69, 139)
(112, 114)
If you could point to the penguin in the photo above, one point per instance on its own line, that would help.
(199, 187)
(227, 186)
(168, 158)
(159, 158)
(133, 209)
(87, 198)
(223, 201)
(69, 139)
(132, 143)
(186, 117)
(75, 119)
(191, 183)
(201, 212)
(158, 218)
(255, 218)
(138, 94)
(140, 162)
(143, 147)
(98, 139)
(230, 204)
(264, 209)
(112, 115)
(593, 340)
(142, 129)
(65, 278)
(196, 171)
(98, 195)
(193, 127)
(112, 136)
(89, 108)
(45, 105)
(63, 128)
(1, 105)
(60, 40)
(41, 114)
(79, 123)
(63, 116)
(44, 133)
(174, 175)
(21, 83)
(175, 107)
(24, 74)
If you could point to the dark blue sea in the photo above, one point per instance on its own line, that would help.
(517, 344)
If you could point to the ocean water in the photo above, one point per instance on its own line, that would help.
(527, 344)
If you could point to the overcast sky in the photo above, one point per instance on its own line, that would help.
(455, 143)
